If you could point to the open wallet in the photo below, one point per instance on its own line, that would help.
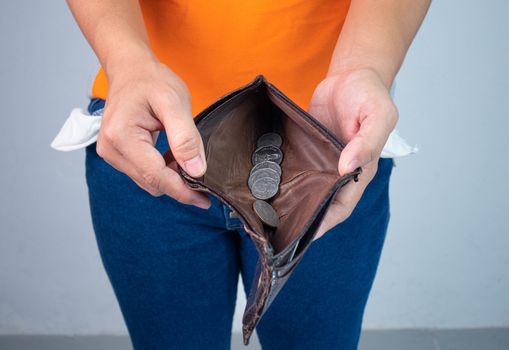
(230, 128)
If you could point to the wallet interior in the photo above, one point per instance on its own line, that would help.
(309, 166)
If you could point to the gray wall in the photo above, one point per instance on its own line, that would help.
(446, 259)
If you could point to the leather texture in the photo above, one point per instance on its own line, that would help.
(230, 128)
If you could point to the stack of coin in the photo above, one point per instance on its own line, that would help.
(265, 176)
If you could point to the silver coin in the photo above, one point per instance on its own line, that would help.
(266, 213)
(267, 153)
(264, 172)
(267, 164)
(269, 139)
(264, 187)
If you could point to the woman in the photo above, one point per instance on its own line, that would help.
(174, 260)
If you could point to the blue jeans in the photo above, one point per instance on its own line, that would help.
(174, 268)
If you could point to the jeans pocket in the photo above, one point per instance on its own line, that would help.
(96, 106)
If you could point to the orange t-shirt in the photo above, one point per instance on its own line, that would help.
(217, 46)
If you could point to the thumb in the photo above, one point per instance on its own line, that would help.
(364, 147)
(184, 139)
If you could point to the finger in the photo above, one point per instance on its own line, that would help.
(183, 137)
(368, 143)
(123, 165)
(151, 171)
(346, 200)
(341, 207)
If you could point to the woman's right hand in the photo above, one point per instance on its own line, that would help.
(143, 98)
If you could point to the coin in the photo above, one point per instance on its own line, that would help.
(266, 213)
(267, 164)
(269, 139)
(267, 153)
(264, 187)
(255, 175)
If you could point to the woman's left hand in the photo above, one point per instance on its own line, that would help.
(357, 107)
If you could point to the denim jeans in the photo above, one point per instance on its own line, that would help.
(174, 268)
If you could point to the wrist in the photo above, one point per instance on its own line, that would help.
(349, 74)
(128, 61)
(383, 68)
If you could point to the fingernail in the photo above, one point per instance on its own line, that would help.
(201, 202)
(194, 166)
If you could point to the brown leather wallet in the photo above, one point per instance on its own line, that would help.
(230, 128)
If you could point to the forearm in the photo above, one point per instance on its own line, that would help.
(376, 35)
(115, 30)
